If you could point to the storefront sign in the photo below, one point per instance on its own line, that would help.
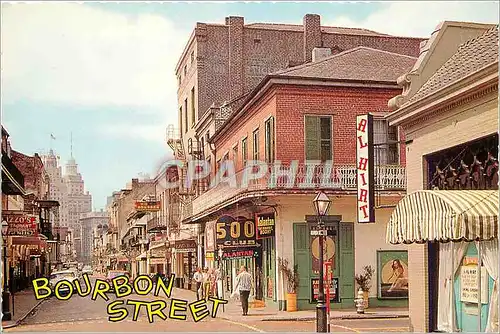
(265, 226)
(235, 232)
(210, 236)
(270, 288)
(147, 206)
(209, 255)
(329, 248)
(469, 284)
(392, 269)
(334, 290)
(365, 169)
(21, 224)
(185, 246)
(156, 260)
(239, 254)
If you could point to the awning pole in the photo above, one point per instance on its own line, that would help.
(452, 287)
(479, 303)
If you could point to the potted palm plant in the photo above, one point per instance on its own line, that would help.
(364, 282)
(292, 280)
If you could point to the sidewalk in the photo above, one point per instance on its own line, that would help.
(24, 304)
(232, 311)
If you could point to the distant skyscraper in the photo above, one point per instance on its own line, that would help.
(78, 201)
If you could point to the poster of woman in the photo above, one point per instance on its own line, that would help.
(392, 274)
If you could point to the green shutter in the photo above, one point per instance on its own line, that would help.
(312, 140)
(346, 238)
(302, 257)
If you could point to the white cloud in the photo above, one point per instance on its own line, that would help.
(155, 133)
(419, 19)
(72, 53)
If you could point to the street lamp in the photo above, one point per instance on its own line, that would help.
(220, 252)
(7, 316)
(321, 204)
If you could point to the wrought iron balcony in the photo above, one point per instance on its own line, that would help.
(341, 178)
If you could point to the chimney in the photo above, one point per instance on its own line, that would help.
(236, 24)
(320, 53)
(312, 34)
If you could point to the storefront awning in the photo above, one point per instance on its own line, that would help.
(444, 215)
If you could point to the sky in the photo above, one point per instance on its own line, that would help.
(103, 73)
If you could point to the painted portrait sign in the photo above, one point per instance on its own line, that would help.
(392, 274)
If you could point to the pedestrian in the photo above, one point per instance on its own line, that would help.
(198, 278)
(206, 283)
(244, 284)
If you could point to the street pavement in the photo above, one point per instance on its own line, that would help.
(81, 314)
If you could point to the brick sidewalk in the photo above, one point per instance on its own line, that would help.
(232, 311)
(24, 303)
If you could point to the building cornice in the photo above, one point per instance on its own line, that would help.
(448, 97)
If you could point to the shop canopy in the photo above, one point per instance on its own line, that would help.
(444, 215)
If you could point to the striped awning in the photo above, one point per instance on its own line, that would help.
(444, 215)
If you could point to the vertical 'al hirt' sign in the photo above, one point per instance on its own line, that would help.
(365, 169)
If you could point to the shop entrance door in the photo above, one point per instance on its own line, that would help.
(467, 312)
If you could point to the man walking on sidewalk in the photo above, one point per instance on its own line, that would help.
(244, 283)
(198, 278)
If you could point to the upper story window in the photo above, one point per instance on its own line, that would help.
(179, 80)
(388, 153)
(269, 128)
(193, 108)
(185, 70)
(255, 144)
(318, 138)
(186, 115)
(235, 155)
(192, 57)
(244, 151)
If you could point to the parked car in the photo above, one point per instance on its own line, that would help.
(64, 275)
(116, 273)
(87, 270)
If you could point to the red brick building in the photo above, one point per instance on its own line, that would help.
(222, 64)
(308, 112)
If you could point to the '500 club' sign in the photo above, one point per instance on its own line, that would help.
(235, 232)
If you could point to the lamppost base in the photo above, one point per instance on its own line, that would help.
(6, 315)
(321, 319)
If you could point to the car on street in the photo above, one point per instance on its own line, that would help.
(116, 273)
(87, 270)
(63, 275)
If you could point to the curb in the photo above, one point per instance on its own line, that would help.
(18, 322)
(345, 317)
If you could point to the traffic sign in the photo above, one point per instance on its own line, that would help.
(319, 232)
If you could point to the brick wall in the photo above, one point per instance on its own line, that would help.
(343, 103)
(35, 177)
(233, 58)
(254, 118)
(289, 104)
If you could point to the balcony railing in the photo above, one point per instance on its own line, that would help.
(390, 177)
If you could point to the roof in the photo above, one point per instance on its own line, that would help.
(471, 57)
(325, 29)
(358, 64)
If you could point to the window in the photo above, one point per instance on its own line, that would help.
(185, 70)
(244, 151)
(318, 141)
(256, 145)
(269, 127)
(186, 114)
(180, 120)
(202, 148)
(235, 155)
(384, 134)
(192, 57)
(193, 113)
